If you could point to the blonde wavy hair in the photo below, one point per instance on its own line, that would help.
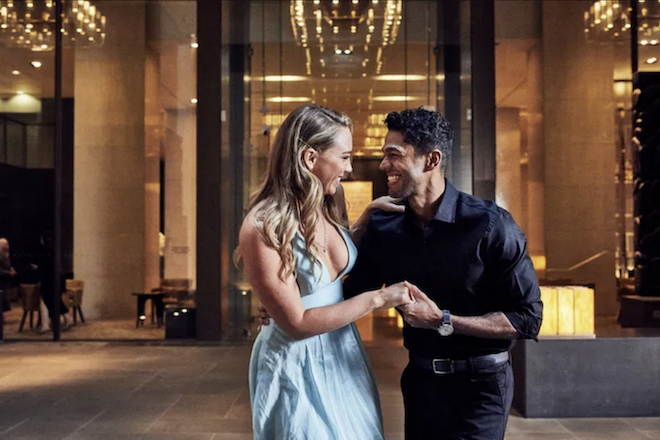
(288, 199)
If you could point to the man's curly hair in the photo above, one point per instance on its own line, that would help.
(425, 130)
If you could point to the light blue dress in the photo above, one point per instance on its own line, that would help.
(319, 388)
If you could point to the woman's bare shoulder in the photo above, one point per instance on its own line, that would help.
(252, 227)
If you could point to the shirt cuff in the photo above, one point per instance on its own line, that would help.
(522, 324)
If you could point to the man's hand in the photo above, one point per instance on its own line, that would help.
(264, 317)
(423, 313)
(12, 272)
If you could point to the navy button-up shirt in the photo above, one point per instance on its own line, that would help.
(471, 259)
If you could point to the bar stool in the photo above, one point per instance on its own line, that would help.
(31, 300)
(73, 297)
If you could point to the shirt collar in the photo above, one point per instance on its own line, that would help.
(446, 211)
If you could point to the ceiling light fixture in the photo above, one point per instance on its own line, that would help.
(282, 78)
(652, 60)
(31, 25)
(393, 98)
(409, 77)
(36, 64)
(15, 72)
(289, 99)
(607, 20)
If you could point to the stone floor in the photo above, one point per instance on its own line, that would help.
(165, 391)
(91, 330)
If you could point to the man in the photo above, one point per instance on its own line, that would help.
(7, 275)
(475, 286)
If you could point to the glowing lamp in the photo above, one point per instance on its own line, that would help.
(566, 315)
(584, 310)
(568, 310)
(550, 311)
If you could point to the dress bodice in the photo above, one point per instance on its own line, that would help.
(312, 278)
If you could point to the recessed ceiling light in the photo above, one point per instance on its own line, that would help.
(193, 101)
(15, 72)
(20, 92)
(36, 63)
(652, 60)
(338, 51)
(194, 45)
(347, 52)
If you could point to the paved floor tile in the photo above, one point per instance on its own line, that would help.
(146, 391)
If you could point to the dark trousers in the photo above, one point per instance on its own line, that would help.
(458, 406)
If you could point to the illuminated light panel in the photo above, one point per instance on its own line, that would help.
(393, 98)
(282, 78)
(289, 99)
(400, 77)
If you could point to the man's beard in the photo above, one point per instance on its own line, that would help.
(407, 188)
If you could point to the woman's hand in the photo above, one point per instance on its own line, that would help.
(386, 203)
(395, 295)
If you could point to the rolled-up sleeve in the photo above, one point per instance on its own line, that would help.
(513, 274)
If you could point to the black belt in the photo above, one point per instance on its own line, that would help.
(448, 366)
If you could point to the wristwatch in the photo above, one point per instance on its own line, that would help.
(445, 328)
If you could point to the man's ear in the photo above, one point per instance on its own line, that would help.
(309, 158)
(434, 159)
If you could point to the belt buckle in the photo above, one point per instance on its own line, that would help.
(447, 363)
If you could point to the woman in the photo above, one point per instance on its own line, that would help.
(309, 375)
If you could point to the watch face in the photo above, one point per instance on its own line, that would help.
(446, 330)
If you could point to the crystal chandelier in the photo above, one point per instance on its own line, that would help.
(609, 19)
(346, 35)
(30, 24)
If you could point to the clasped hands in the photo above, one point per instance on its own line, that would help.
(422, 312)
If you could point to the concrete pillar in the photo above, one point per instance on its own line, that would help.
(109, 164)
(180, 154)
(579, 145)
(153, 139)
(535, 199)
